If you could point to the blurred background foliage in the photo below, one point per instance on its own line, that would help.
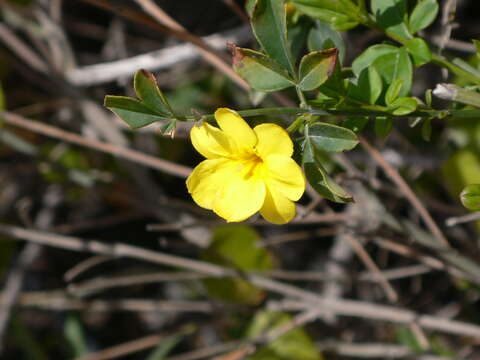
(67, 304)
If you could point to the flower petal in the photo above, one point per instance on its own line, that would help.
(239, 198)
(207, 178)
(210, 141)
(283, 174)
(277, 209)
(236, 129)
(273, 139)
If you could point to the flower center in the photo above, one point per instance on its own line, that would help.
(251, 166)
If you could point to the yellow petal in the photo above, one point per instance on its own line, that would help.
(210, 141)
(273, 139)
(277, 209)
(284, 175)
(236, 129)
(207, 178)
(239, 198)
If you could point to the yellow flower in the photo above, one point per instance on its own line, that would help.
(247, 170)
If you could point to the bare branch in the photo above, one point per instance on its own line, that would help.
(119, 151)
(307, 299)
(153, 61)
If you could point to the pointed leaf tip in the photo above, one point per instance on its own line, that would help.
(316, 67)
(146, 88)
(260, 71)
(470, 197)
(237, 56)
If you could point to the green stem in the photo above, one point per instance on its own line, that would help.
(455, 93)
(367, 110)
(301, 97)
(252, 112)
(440, 61)
(295, 125)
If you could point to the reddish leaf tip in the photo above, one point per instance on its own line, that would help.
(237, 56)
(148, 75)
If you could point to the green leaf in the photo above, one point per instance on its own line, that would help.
(427, 129)
(316, 67)
(322, 37)
(470, 197)
(403, 106)
(132, 111)
(371, 54)
(236, 246)
(396, 65)
(340, 6)
(341, 14)
(334, 87)
(75, 336)
(341, 24)
(383, 125)
(169, 127)
(26, 341)
(294, 344)
(461, 169)
(320, 13)
(17, 143)
(423, 15)
(147, 90)
(270, 28)
(393, 91)
(249, 6)
(356, 124)
(368, 87)
(331, 138)
(2, 99)
(406, 337)
(262, 73)
(166, 345)
(317, 176)
(151, 107)
(428, 97)
(476, 43)
(466, 66)
(419, 50)
(391, 15)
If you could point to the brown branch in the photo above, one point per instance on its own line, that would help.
(10, 39)
(118, 151)
(370, 264)
(13, 286)
(84, 266)
(393, 174)
(208, 351)
(125, 349)
(313, 218)
(432, 262)
(237, 10)
(58, 301)
(387, 287)
(210, 54)
(307, 299)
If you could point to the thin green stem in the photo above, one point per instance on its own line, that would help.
(301, 97)
(367, 110)
(453, 92)
(295, 125)
(457, 70)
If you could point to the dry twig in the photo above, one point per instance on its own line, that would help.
(122, 152)
(393, 174)
(307, 299)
